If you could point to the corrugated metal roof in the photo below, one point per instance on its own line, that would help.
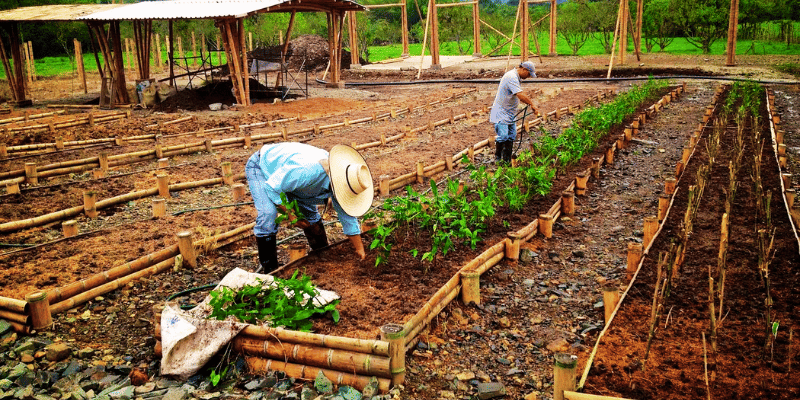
(59, 12)
(204, 9)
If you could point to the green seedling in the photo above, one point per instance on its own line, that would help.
(292, 208)
(283, 302)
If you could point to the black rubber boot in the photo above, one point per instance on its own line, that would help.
(317, 238)
(498, 151)
(267, 253)
(507, 150)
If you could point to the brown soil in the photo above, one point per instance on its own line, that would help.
(505, 339)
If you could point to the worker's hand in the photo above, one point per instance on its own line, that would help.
(358, 246)
(300, 223)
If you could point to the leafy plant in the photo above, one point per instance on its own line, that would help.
(282, 302)
(292, 208)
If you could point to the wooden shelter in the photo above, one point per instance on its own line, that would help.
(228, 16)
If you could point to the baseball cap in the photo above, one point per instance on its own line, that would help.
(529, 66)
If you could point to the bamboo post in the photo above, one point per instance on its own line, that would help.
(621, 141)
(12, 188)
(79, 63)
(634, 257)
(297, 251)
(103, 158)
(89, 200)
(248, 139)
(448, 162)
(512, 246)
(787, 179)
(783, 162)
(610, 155)
(98, 174)
(610, 299)
(159, 151)
(227, 174)
(470, 287)
(59, 142)
(628, 134)
(791, 195)
(546, 225)
(3, 151)
(779, 134)
(678, 168)
(650, 229)
(669, 185)
(568, 203)
(163, 185)
(781, 150)
(687, 151)
(159, 207)
(186, 247)
(119, 140)
(394, 334)
(420, 172)
(580, 183)
(41, 318)
(238, 192)
(461, 184)
(384, 185)
(163, 162)
(596, 167)
(471, 153)
(209, 147)
(663, 205)
(69, 228)
(31, 175)
(564, 374)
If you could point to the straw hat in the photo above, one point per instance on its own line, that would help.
(351, 180)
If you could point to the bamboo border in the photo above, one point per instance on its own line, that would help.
(773, 128)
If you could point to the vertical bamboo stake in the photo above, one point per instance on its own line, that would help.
(3, 151)
(31, 174)
(384, 185)
(687, 151)
(669, 185)
(634, 257)
(59, 142)
(564, 374)
(471, 153)
(470, 287)
(394, 334)
(194, 49)
(297, 251)
(238, 192)
(207, 142)
(787, 179)
(69, 228)
(610, 155)
(227, 175)
(159, 207)
(610, 300)
(98, 174)
(628, 134)
(186, 247)
(79, 64)
(219, 53)
(580, 183)
(12, 188)
(448, 162)
(89, 199)
(790, 197)
(663, 205)
(512, 246)
(41, 318)
(163, 185)
(546, 225)
(420, 171)
(678, 168)
(568, 203)
(163, 162)
(103, 158)
(650, 229)
(596, 167)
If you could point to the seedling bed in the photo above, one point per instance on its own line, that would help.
(747, 362)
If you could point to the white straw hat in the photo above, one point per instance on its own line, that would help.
(351, 180)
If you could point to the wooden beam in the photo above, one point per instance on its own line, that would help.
(466, 3)
(373, 6)
(476, 29)
(733, 24)
(524, 30)
(434, 14)
(553, 18)
(245, 67)
(171, 55)
(351, 33)
(11, 79)
(16, 56)
(121, 92)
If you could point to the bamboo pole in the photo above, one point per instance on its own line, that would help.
(394, 335)
(89, 200)
(334, 359)
(570, 395)
(69, 228)
(610, 300)
(634, 258)
(470, 287)
(568, 203)
(376, 347)
(580, 183)
(14, 305)
(41, 318)
(10, 316)
(669, 185)
(546, 225)
(614, 45)
(564, 377)
(187, 248)
(163, 185)
(159, 207)
(259, 365)
(651, 225)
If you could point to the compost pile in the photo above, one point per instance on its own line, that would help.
(305, 53)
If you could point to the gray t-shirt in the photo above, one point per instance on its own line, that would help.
(505, 103)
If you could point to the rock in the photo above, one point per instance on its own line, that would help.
(25, 346)
(5, 384)
(527, 255)
(559, 345)
(529, 282)
(483, 376)
(578, 253)
(310, 394)
(465, 376)
(255, 384)
(125, 393)
(139, 377)
(371, 389)
(504, 322)
(489, 390)
(176, 393)
(532, 396)
(349, 393)
(145, 388)
(322, 384)
(5, 327)
(446, 394)
(42, 397)
(503, 361)
(57, 352)
(16, 372)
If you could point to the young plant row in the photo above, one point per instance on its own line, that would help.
(456, 214)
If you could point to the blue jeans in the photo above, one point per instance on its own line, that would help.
(267, 212)
(505, 132)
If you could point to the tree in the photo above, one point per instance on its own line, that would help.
(702, 21)
(574, 19)
(658, 27)
(605, 21)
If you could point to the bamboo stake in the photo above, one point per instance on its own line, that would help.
(470, 287)
(610, 300)
(260, 365)
(431, 3)
(69, 228)
(376, 347)
(163, 185)
(159, 207)
(563, 374)
(614, 45)
(41, 318)
(580, 183)
(89, 199)
(14, 305)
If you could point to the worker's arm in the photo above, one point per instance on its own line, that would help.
(527, 100)
(358, 245)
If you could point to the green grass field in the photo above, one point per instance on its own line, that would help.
(50, 66)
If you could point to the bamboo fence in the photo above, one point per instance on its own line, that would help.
(777, 140)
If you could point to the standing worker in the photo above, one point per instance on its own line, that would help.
(310, 176)
(504, 109)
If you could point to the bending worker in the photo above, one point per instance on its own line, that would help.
(310, 176)
(504, 109)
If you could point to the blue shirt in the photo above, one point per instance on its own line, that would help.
(505, 103)
(294, 169)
